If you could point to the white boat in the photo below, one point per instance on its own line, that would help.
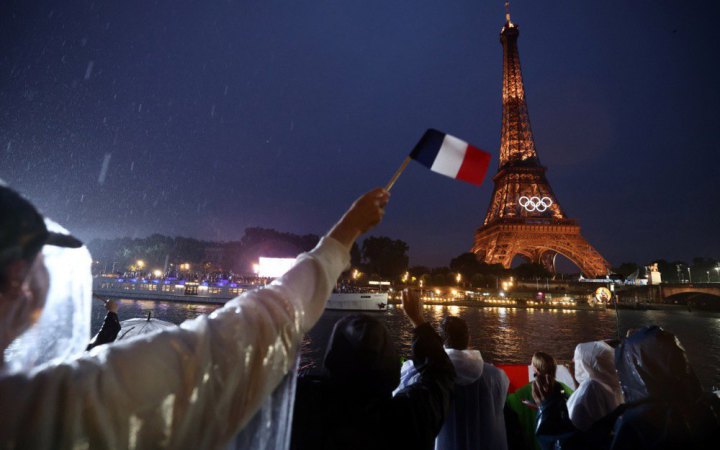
(169, 289)
(358, 301)
(218, 292)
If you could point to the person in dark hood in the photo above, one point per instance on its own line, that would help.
(351, 405)
(665, 407)
(110, 327)
(476, 419)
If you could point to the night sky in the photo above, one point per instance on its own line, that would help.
(203, 118)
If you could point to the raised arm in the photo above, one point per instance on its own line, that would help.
(424, 404)
(191, 387)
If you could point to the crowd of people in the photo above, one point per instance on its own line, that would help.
(226, 380)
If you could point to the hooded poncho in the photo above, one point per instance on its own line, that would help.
(476, 418)
(598, 392)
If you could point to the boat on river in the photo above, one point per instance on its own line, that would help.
(358, 301)
(170, 289)
(219, 292)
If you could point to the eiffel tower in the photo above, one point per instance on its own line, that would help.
(524, 217)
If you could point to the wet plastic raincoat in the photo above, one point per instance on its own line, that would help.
(598, 393)
(192, 387)
(476, 418)
(665, 406)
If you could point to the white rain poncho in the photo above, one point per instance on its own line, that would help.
(195, 386)
(63, 329)
(598, 393)
(476, 418)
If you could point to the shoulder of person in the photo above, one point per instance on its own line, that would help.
(490, 370)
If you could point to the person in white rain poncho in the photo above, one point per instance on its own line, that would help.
(476, 419)
(599, 391)
(195, 386)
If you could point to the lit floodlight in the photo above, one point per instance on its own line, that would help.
(273, 267)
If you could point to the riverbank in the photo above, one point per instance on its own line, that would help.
(509, 304)
(519, 304)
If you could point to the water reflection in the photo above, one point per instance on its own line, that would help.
(503, 335)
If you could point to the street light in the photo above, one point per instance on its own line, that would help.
(140, 263)
(717, 269)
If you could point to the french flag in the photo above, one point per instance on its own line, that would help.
(451, 157)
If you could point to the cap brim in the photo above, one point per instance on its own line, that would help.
(63, 240)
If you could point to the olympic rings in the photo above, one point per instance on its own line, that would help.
(531, 204)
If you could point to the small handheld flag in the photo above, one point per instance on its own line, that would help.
(448, 155)
(451, 157)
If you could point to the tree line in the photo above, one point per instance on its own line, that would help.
(377, 257)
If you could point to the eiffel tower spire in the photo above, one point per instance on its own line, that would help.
(516, 143)
(524, 216)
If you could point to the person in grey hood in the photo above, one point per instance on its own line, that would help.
(476, 418)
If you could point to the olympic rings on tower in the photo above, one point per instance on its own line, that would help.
(532, 204)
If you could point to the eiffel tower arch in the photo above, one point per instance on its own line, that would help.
(524, 216)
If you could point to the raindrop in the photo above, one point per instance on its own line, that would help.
(140, 107)
(9, 145)
(83, 41)
(292, 125)
(89, 69)
(132, 166)
(212, 111)
(82, 197)
(104, 168)
(226, 90)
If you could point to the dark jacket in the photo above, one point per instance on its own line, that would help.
(351, 406)
(665, 407)
(108, 332)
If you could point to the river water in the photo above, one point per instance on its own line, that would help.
(503, 335)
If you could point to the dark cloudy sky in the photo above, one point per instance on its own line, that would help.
(203, 118)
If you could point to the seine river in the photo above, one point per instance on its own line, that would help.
(503, 335)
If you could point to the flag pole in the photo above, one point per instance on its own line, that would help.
(397, 174)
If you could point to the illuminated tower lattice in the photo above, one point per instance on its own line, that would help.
(524, 216)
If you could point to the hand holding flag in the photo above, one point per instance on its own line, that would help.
(448, 155)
